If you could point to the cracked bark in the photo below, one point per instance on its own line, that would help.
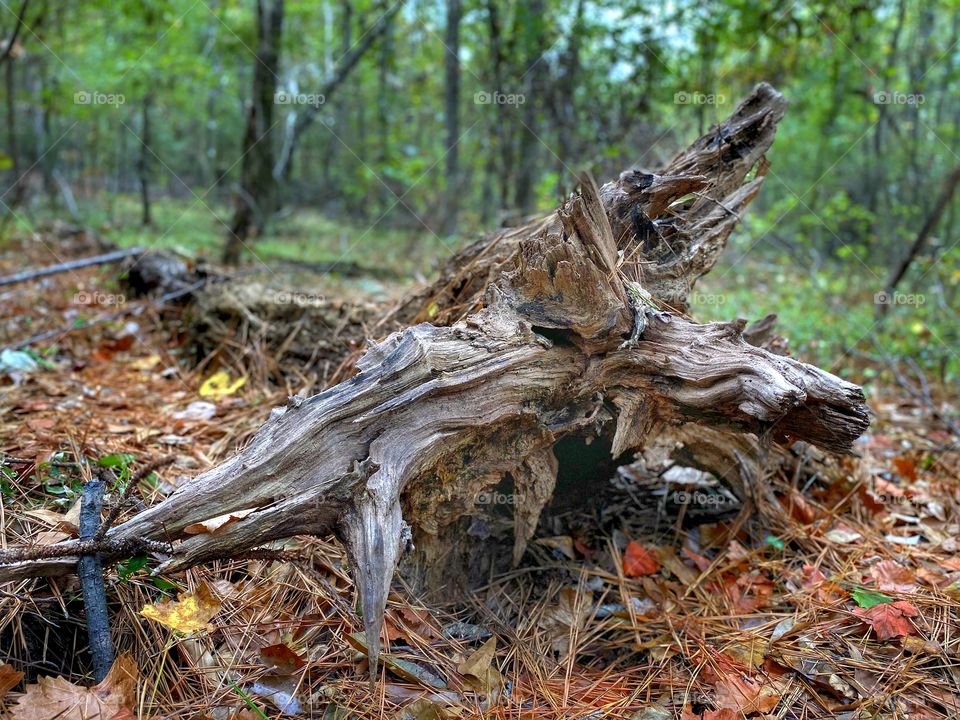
(517, 345)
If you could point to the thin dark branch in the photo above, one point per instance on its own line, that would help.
(90, 570)
(16, 32)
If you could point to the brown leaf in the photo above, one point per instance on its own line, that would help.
(906, 468)
(798, 508)
(8, 679)
(638, 561)
(889, 620)
(478, 670)
(57, 698)
(893, 577)
(745, 695)
(214, 524)
(281, 659)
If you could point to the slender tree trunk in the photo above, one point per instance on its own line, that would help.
(532, 18)
(255, 199)
(383, 114)
(143, 165)
(345, 65)
(452, 114)
(12, 148)
(500, 137)
(900, 269)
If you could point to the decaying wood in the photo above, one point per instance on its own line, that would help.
(521, 343)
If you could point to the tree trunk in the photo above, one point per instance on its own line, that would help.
(533, 28)
(344, 67)
(255, 199)
(452, 115)
(900, 269)
(534, 336)
(143, 165)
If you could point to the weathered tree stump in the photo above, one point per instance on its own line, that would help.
(571, 325)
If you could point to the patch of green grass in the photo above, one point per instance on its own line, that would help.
(197, 229)
(832, 317)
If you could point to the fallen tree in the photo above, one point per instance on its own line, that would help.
(571, 326)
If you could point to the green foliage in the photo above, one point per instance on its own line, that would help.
(872, 130)
(869, 598)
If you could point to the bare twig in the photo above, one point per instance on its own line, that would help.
(117, 507)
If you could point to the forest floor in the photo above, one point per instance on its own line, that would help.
(842, 602)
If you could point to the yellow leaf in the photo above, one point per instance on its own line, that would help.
(146, 363)
(188, 613)
(219, 385)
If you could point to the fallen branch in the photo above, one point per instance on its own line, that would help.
(36, 273)
(129, 309)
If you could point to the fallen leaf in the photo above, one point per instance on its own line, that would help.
(798, 508)
(398, 666)
(638, 561)
(478, 670)
(906, 468)
(893, 577)
(58, 698)
(281, 690)
(9, 678)
(219, 385)
(145, 363)
(889, 620)
(843, 535)
(196, 411)
(216, 523)
(421, 710)
(868, 598)
(744, 695)
(59, 522)
(190, 612)
(702, 563)
(561, 543)
(571, 612)
(281, 659)
(49, 537)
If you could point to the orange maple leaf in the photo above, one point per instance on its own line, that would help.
(638, 561)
